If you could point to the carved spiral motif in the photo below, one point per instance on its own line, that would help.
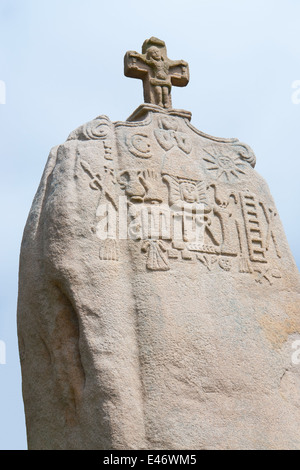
(246, 153)
(98, 128)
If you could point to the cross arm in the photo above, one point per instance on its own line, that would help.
(135, 65)
(179, 72)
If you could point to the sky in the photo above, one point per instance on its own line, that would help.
(61, 65)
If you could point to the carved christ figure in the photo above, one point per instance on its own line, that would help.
(157, 71)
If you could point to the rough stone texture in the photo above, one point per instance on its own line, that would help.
(157, 342)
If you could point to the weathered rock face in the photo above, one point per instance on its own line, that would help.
(175, 340)
(158, 298)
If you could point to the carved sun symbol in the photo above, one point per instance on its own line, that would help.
(224, 167)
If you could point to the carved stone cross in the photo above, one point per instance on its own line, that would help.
(157, 71)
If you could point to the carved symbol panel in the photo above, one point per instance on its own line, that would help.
(182, 205)
(223, 229)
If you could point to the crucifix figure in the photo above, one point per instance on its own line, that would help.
(157, 71)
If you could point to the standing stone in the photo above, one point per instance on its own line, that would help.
(158, 297)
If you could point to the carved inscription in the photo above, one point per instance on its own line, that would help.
(178, 215)
(270, 215)
(139, 145)
(141, 185)
(106, 211)
(156, 255)
(256, 242)
(104, 184)
(267, 274)
(168, 135)
(223, 229)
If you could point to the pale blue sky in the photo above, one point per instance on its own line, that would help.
(62, 63)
